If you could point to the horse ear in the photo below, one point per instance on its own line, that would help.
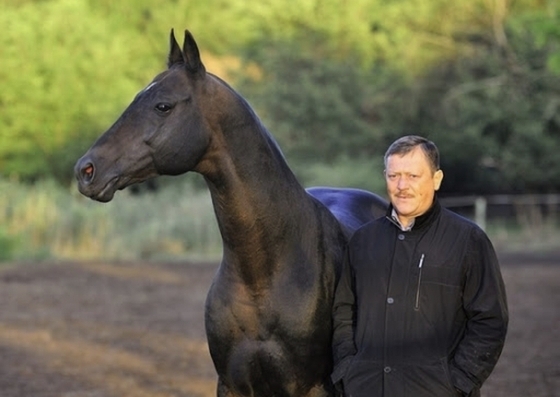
(175, 54)
(193, 64)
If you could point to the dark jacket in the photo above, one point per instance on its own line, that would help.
(418, 313)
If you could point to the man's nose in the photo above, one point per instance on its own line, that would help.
(402, 183)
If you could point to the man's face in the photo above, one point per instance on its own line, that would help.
(411, 184)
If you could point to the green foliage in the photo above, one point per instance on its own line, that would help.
(361, 173)
(312, 105)
(509, 98)
(333, 80)
(475, 64)
(539, 28)
(494, 112)
(59, 91)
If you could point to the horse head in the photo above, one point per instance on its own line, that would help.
(163, 121)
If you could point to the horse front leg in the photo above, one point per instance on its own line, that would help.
(321, 391)
(222, 390)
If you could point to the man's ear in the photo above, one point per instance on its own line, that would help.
(438, 177)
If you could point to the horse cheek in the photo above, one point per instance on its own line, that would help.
(178, 155)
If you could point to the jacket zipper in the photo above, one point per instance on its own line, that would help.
(417, 304)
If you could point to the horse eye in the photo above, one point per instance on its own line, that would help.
(163, 107)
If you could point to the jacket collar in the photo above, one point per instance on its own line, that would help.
(420, 221)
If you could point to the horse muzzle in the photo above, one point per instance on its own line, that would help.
(91, 184)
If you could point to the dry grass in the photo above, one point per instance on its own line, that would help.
(46, 221)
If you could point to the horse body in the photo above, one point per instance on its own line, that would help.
(268, 310)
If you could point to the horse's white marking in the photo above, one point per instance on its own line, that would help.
(149, 87)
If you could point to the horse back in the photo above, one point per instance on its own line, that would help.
(351, 207)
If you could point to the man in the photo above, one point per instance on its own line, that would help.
(420, 309)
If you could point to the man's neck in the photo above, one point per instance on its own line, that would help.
(404, 226)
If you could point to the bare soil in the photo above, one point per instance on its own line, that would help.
(102, 329)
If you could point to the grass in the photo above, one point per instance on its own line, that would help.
(46, 221)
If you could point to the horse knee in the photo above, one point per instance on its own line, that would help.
(223, 390)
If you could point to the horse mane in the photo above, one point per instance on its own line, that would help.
(272, 142)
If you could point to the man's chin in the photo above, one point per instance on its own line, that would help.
(404, 207)
(405, 210)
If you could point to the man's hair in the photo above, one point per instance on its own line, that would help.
(407, 143)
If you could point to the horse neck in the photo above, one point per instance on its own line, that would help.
(259, 204)
(256, 197)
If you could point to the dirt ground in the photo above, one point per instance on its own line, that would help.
(136, 330)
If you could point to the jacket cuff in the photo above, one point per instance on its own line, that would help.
(461, 381)
(340, 369)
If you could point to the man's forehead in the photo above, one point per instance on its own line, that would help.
(411, 161)
(416, 155)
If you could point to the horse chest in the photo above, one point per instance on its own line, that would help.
(239, 314)
(272, 336)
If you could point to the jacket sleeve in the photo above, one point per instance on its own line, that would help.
(484, 301)
(343, 322)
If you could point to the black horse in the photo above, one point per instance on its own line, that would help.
(268, 311)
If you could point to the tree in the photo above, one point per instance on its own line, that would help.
(494, 112)
(63, 77)
(313, 105)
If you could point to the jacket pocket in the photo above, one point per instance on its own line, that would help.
(341, 369)
(427, 379)
(447, 372)
(444, 276)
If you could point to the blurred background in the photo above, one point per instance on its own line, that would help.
(335, 81)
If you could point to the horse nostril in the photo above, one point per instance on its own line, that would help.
(87, 172)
